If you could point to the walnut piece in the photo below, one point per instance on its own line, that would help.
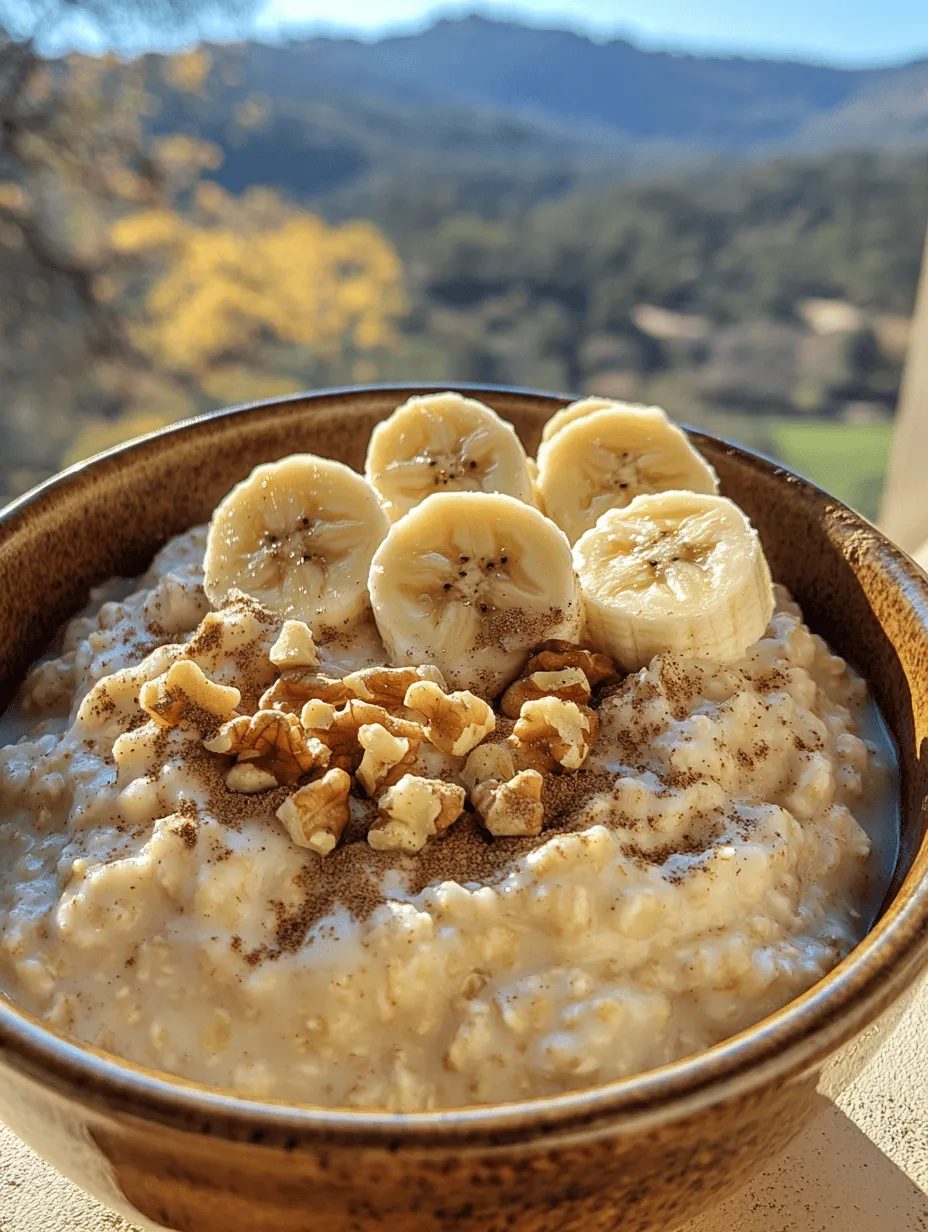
(413, 811)
(569, 684)
(295, 688)
(340, 732)
(317, 713)
(512, 809)
(488, 761)
(555, 655)
(552, 732)
(457, 722)
(315, 816)
(294, 647)
(387, 686)
(184, 696)
(249, 779)
(274, 741)
(386, 757)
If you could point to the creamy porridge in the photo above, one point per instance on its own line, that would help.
(422, 807)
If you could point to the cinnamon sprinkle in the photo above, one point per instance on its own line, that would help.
(352, 875)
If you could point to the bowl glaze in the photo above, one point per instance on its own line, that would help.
(642, 1154)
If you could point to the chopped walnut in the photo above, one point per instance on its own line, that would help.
(457, 722)
(275, 741)
(569, 684)
(315, 816)
(555, 655)
(294, 689)
(488, 761)
(367, 712)
(386, 758)
(317, 713)
(552, 732)
(294, 647)
(512, 809)
(340, 733)
(249, 779)
(413, 811)
(387, 686)
(183, 696)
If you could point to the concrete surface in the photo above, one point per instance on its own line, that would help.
(862, 1166)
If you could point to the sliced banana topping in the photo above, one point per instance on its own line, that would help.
(605, 458)
(442, 443)
(586, 406)
(674, 571)
(471, 581)
(298, 535)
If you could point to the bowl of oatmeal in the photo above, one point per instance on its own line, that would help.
(447, 807)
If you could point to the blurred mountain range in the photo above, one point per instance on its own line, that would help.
(499, 100)
(731, 103)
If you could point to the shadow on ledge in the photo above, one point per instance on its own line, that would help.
(832, 1179)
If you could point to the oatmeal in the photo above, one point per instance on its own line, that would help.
(427, 855)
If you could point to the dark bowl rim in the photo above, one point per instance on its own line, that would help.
(785, 1044)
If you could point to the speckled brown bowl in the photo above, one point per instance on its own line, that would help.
(641, 1154)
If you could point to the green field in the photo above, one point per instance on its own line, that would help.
(848, 460)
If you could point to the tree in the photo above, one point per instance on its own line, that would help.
(73, 157)
(235, 275)
(71, 136)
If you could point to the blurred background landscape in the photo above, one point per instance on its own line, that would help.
(737, 239)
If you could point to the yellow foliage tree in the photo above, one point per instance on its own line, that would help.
(189, 71)
(236, 273)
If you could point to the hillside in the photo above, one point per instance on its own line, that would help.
(728, 103)
(495, 115)
(347, 146)
(732, 104)
(608, 90)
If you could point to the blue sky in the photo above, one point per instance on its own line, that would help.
(851, 31)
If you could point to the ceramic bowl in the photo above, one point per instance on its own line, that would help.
(645, 1153)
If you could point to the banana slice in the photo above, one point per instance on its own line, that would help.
(471, 581)
(441, 443)
(298, 535)
(604, 459)
(674, 571)
(577, 410)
